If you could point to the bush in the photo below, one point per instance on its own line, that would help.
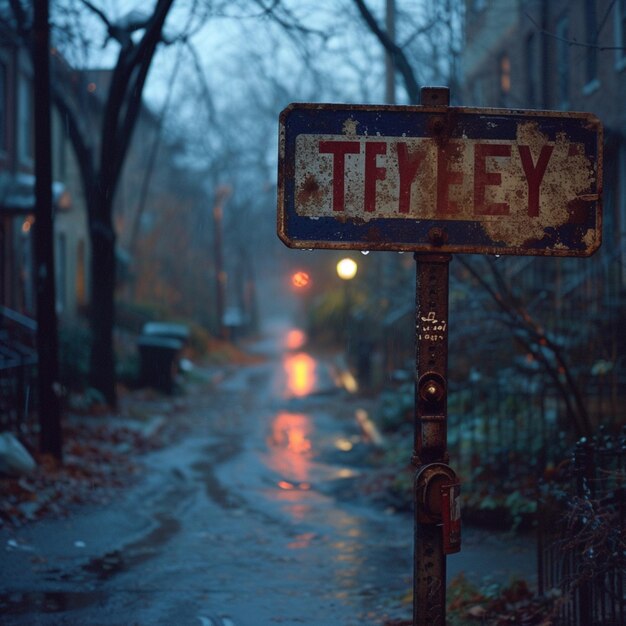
(74, 350)
(396, 408)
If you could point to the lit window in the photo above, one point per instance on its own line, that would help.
(504, 71)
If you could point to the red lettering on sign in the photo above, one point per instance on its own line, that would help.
(339, 149)
(373, 172)
(483, 178)
(446, 177)
(534, 174)
(408, 164)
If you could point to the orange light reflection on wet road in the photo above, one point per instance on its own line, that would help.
(295, 339)
(300, 369)
(290, 448)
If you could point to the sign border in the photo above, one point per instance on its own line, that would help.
(425, 225)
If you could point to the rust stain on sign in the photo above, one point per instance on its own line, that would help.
(491, 180)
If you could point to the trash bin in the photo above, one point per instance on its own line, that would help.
(170, 330)
(233, 322)
(158, 358)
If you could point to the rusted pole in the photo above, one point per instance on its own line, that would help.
(437, 517)
(431, 456)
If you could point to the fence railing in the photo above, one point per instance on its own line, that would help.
(18, 371)
(514, 423)
(582, 534)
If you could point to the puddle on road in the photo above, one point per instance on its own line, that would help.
(294, 339)
(300, 375)
(215, 455)
(290, 448)
(48, 601)
(124, 559)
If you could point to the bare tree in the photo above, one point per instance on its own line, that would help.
(524, 327)
(137, 35)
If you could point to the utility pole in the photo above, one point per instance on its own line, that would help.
(222, 192)
(390, 69)
(50, 437)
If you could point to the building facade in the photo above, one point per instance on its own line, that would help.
(565, 55)
(17, 196)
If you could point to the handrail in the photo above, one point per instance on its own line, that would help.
(18, 318)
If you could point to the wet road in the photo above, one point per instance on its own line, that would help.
(235, 524)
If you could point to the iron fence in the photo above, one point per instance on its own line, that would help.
(582, 534)
(516, 425)
(18, 372)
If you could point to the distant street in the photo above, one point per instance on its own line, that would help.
(237, 524)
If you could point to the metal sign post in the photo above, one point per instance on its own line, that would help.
(433, 476)
(437, 180)
(430, 448)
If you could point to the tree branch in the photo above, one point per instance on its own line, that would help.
(401, 62)
(571, 42)
(125, 95)
(23, 28)
(534, 340)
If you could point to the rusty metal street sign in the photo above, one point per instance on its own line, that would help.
(449, 179)
(436, 180)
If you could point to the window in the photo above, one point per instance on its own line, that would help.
(61, 273)
(562, 62)
(81, 273)
(620, 34)
(532, 87)
(479, 5)
(478, 92)
(25, 121)
(3, 107)
(59, 160)
(621, 204)
(4, 266)
(591, 51)
(504, 72)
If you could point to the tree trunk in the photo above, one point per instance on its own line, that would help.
(102, 318)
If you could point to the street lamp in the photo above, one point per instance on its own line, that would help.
(300, 280)
(346, 270)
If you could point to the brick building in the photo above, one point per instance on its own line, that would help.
(556, 55)
(17, 195)
(567, 55)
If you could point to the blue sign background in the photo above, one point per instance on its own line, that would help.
(410, 233)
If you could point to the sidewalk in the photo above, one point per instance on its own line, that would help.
(230, 521)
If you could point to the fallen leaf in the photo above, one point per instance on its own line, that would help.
(477, 611)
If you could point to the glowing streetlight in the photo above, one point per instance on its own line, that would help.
(300, 280)
(346, 269)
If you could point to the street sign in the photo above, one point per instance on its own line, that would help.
(438, 178)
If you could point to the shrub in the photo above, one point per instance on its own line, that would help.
(74, 350)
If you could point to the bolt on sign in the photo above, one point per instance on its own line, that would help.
(449, 179)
